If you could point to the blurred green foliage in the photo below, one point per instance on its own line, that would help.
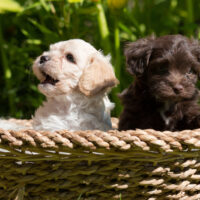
(28, 27)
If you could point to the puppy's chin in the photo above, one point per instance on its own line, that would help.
(50, 90)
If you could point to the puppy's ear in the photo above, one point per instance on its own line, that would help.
(98, 76)
(137, 55)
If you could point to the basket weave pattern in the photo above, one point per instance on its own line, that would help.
(89, 165)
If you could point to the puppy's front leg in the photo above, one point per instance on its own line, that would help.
(191, 120)
(195, 123)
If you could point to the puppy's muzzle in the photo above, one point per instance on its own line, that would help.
(178, 88)
(44, 59)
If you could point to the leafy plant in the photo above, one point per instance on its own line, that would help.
(27, 28)
(9, 5)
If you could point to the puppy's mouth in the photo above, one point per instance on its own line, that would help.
(48, 79)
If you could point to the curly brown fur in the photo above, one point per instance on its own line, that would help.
(164, 95)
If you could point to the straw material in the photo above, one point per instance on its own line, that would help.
(97, 165)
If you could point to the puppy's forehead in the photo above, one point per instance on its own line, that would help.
(173, 46)
(73, 45)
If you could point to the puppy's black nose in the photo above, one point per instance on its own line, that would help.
(178, 88)
(43, 59)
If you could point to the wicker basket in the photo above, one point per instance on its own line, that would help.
(127, 165)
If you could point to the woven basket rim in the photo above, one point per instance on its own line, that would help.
(95, 139)
(118, 162)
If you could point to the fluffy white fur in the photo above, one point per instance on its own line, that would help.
(8, 125)
(75, 79)
(73, 112)
(12, 124)
(78, 101)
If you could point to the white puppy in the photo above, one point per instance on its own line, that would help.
(75, 78)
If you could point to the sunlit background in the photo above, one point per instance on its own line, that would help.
(28, 27)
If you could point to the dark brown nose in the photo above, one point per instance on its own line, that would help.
(44, 59)
(178, 88)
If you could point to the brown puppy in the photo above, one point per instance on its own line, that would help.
(164, 95)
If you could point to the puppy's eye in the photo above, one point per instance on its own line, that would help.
(160, 70)
(191, 71)
(70, 58)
